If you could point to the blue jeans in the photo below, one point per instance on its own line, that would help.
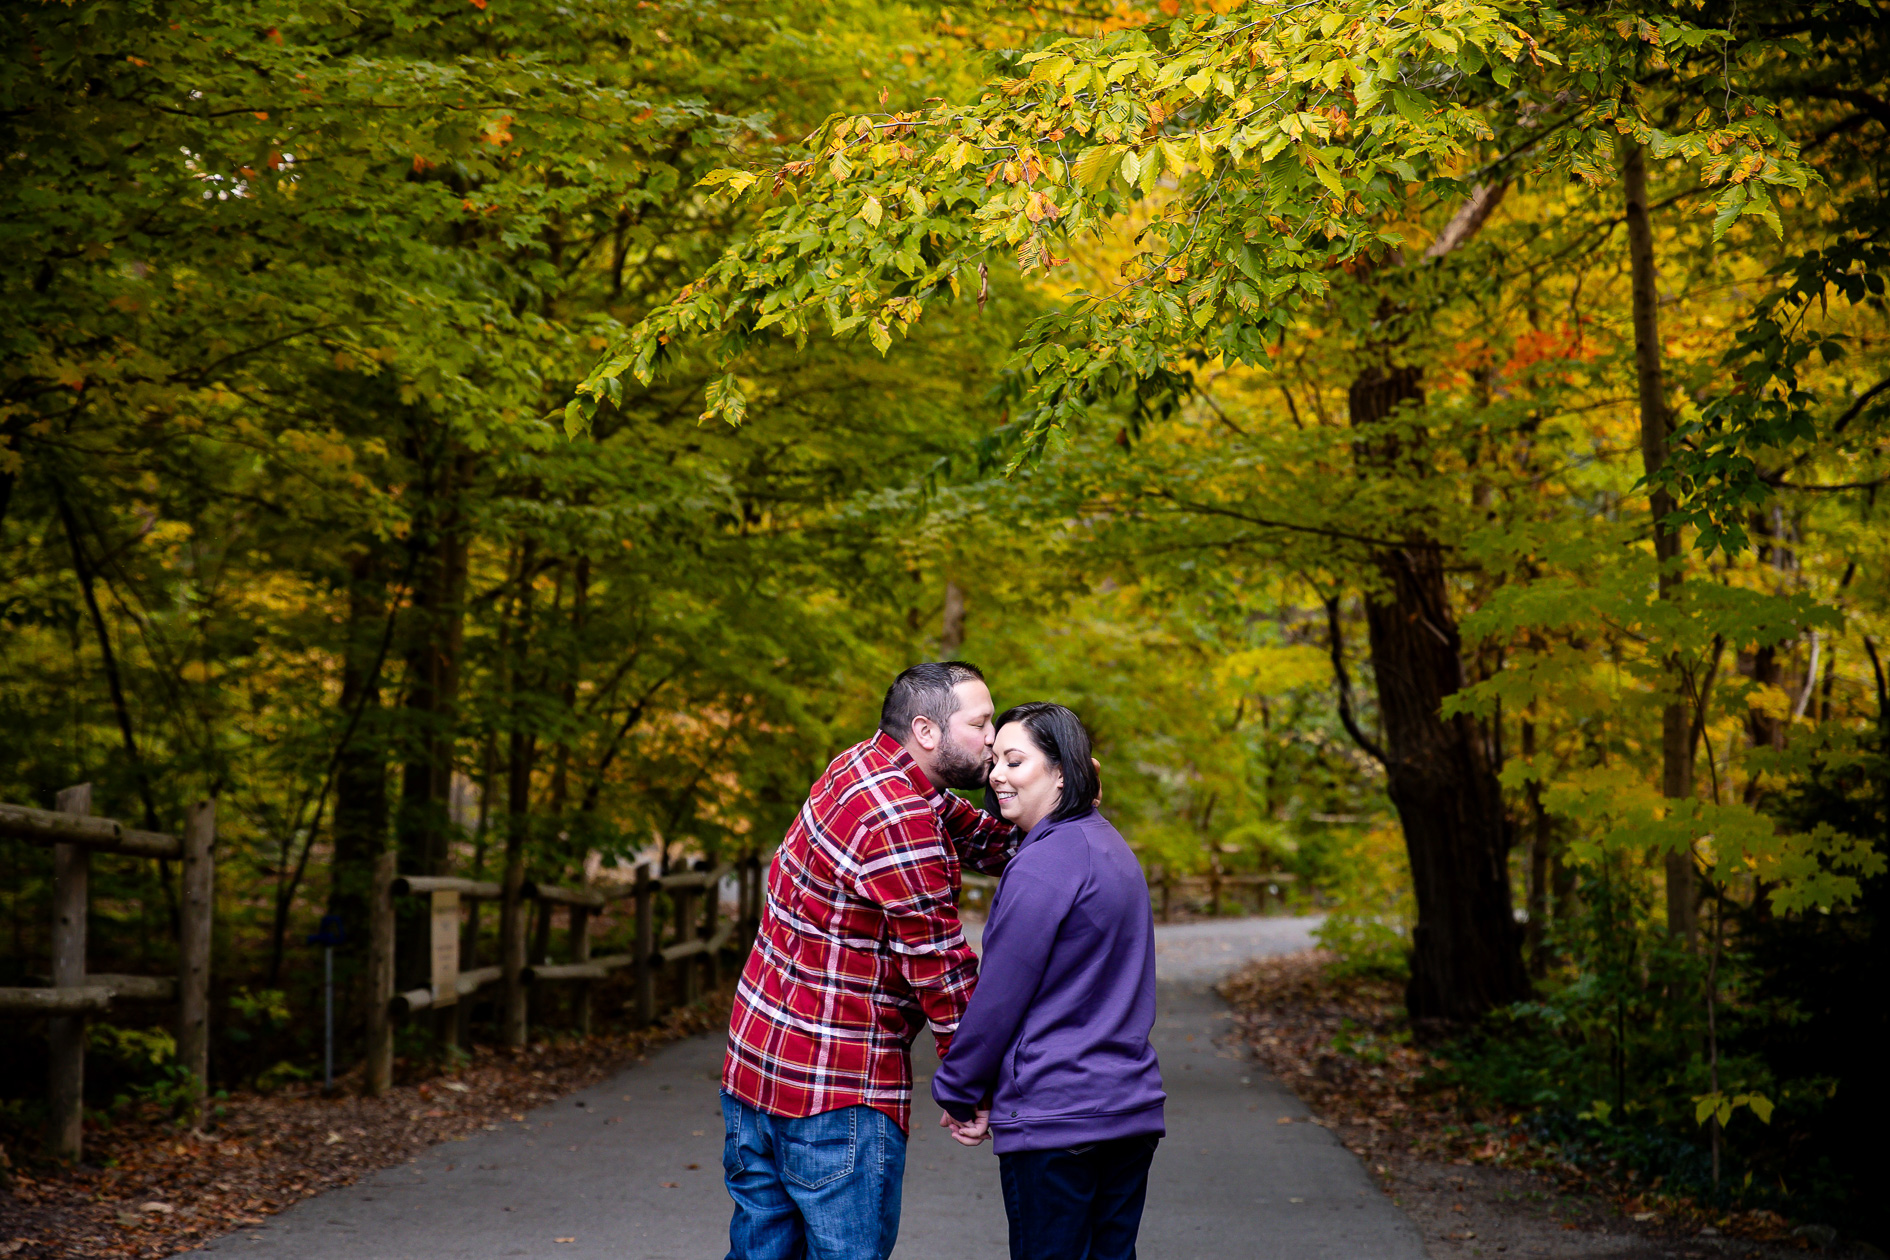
(1078, 1204)
(822, 1187)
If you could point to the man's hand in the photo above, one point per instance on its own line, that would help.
(967, 1134)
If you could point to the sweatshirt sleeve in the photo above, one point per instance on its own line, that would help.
(1018, 938)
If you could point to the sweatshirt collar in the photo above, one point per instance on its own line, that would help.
(1049, 825)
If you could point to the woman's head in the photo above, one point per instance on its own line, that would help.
(1043, 767)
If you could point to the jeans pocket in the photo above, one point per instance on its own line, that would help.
(819, 1150)
(731, 1136)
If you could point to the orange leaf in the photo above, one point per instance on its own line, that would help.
(275, 36)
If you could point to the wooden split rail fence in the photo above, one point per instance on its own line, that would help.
(701, 934)
(74, 835)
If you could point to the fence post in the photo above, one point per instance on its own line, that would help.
(380, 976)
(193, 962)
(513, 1025)
(646, 948)
(711, 919)
(751, 924)
(1214, 889)
(443, 928)
(580, 953)
(72, 869)
(1168, 891)
(683, 914)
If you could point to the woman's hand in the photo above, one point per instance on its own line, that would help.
(967, 1134)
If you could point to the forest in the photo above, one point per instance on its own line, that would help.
(1435, 446)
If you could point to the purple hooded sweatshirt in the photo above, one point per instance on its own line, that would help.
(1056, 1033)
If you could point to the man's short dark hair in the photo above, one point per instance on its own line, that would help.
(924, 690)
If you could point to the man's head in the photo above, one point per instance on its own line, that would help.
(941, 713)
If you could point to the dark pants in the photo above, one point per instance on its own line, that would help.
(1079, 1204)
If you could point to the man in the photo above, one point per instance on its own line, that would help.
(859, 944)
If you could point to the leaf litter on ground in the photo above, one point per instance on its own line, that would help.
(1341, 1045)
(148, 1189)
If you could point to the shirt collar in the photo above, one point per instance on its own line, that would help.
(1048, 825)
(896, 753)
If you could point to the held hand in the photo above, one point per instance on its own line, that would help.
(974, 1133)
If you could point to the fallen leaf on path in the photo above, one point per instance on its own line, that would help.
(672, 1185)
(564, 1240)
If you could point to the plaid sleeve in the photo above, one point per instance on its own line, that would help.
(903, 870)
(984, 843)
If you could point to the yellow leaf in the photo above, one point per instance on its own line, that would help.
(1095, 166)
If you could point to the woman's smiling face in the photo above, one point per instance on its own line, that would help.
(1027, 783)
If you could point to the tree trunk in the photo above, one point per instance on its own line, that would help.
(437, 631)
(1676, 736)
(1466, 947)
(359, 830)
(1535, 931)
(952, 628)
(434, 634)
(521, 751)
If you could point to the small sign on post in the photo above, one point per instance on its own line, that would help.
(445, 948)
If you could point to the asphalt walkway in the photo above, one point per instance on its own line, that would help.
(631, 1169)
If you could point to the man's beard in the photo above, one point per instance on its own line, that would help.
(954, 769)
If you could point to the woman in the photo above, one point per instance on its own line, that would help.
(1053, 1052)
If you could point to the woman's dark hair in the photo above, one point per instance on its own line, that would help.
(1064, 740)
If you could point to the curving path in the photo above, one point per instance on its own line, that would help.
(631, 1169)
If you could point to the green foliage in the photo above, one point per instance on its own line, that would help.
(138, 1068)
(1370, 908)
(1291, 136)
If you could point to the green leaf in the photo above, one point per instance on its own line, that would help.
(1095, 166)
(725, 400)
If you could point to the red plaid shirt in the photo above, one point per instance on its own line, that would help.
(859, 942)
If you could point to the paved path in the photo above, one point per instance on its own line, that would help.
(631, 1169)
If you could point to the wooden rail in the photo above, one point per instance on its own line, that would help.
(51, 826)
(74, 835)
(701, 936)
(85, 999)
(472, 889)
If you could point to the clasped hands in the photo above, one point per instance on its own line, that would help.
(967, 1133)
